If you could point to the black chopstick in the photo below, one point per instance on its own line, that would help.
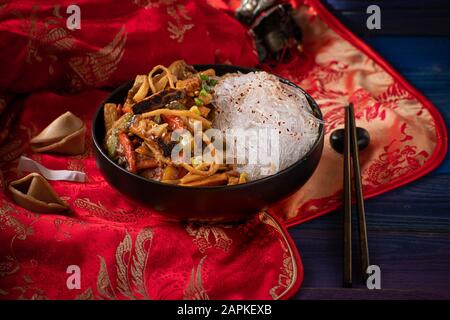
(351, 155)
(363, 242)
(347, 219)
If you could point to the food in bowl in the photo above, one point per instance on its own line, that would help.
(259, 101)
(173, 126)
(212, 204)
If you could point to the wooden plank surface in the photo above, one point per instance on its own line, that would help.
(430, 17)
(409, 239)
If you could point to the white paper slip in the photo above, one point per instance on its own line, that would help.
(28, 165)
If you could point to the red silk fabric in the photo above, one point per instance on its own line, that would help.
(117, 40)
(125, 251)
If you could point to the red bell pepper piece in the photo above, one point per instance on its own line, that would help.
(128, 151)
(174, 122)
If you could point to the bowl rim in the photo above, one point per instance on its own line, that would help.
(312, 103)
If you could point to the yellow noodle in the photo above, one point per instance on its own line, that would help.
(180, 113)
(177, 181)
(143, 90)
(213, 149)
(168, 74)
(216, 179)
(191, 177)
(197, 170)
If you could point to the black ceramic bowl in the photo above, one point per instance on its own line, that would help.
(210, 204)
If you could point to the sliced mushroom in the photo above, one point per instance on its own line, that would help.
(181, 69)
(158, 100)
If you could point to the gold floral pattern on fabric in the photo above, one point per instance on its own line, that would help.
(286, 277)
(180, 22)
(288, 270)
(130, 269)
(195, 289)
(130, 265)
(179, 26)
(28, 290)
(209, 236)
(99, 210)
(8, 221)
(64, 226)
(77, 164)
(397, 160)
(88, 294)
(94, 68)
(45, 40)
(9, 264)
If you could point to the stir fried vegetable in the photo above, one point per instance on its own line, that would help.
(139, 134)
(112, 114)
(113, 134)
(128, 151)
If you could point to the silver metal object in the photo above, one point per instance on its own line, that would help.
(250, 9)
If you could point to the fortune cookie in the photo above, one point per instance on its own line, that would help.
(66, 134)
(34, 193)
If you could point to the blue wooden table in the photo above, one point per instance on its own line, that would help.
(409, 228)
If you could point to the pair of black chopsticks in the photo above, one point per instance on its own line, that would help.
(351, 156)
